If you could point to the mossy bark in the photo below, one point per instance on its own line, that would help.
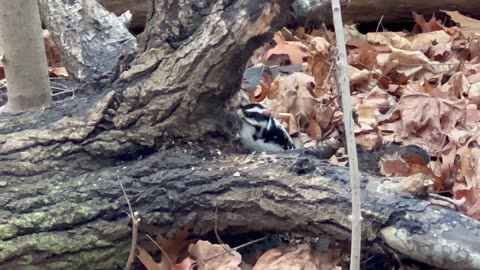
(78, 220)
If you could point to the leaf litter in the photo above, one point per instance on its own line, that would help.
(420, 87)
(204, 255)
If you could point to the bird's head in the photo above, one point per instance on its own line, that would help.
(254, 114)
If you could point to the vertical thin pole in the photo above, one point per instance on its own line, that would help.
(344, 84)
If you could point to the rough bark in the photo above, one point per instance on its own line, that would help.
(176, 188)
(23, 55)
(167, 97)
(60, 169)
(172, 93)
(91, 40)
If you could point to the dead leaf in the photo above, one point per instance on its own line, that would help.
(394, 165)
(448, 160)
(53, 55)
(319, 63)
(423, 26)
(324, 116)
(407, 62)
(361, 80)
(370, 107)
(474, 78)
(313, 130)
(390, 39)
(172, 247)
(473, 114)
(296, 51)
(423, 41)
(292, 125)
(363, 58)
(58, 72)
(213, 257)
(148, 261)
(457, 85)
(186, 264)
(433, 89)
(302, 257)
(474, 94)
(429, 118)
(469, 160)
(466, 24)
(471, 206)
(369, 140)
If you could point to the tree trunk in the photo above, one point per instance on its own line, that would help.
(23, 55)
(61, 168)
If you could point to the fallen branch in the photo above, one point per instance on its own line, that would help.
(273, 193)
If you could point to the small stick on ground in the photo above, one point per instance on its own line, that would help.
(135, 224)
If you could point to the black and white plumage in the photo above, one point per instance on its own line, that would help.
(261, 132)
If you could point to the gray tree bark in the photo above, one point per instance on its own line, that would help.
(75, 219)
(91, 40)
(61, 168)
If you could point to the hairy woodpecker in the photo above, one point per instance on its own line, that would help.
(260, 131)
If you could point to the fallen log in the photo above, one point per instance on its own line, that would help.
(356, 11)
(184, 187)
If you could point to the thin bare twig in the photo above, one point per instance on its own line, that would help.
(135, 223)
(379, 23)
(456, 203)
(217, 235)
(344, 84)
